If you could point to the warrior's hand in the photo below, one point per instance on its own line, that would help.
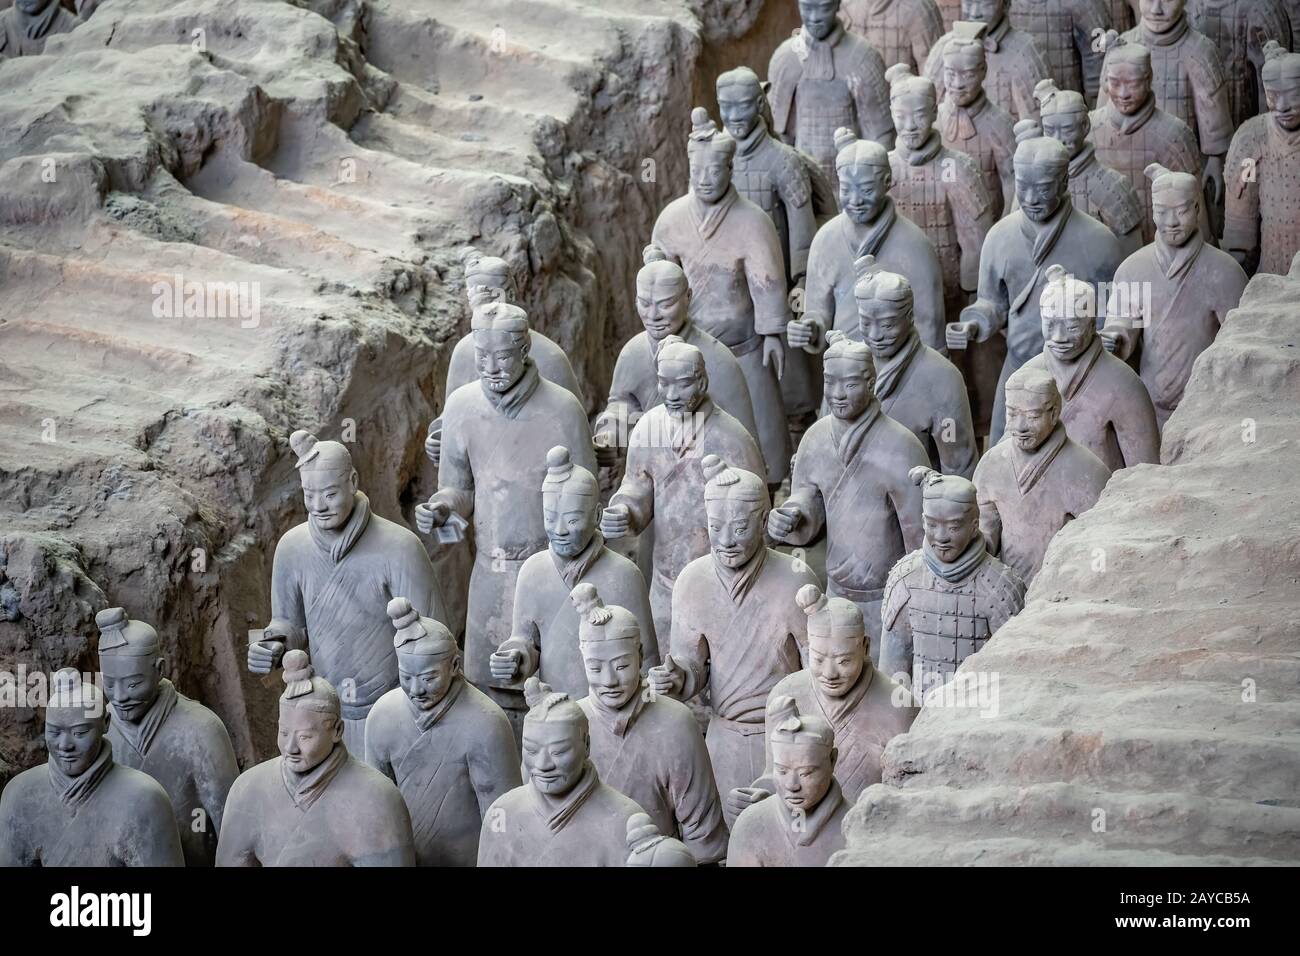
(615, 521)
(264, 655)
(782, 521)
(504, 665)
(741, 798)
(804, 334)
(774, 353)
(1109, 340)
(959, 335)
(431, 515)
(433, 444)
(606, 449)
(665, 680)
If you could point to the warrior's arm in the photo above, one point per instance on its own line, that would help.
(637, 490)
(383, 833)
(525, 631)
(377, 756)
(216, 774)
(696, 804)
(455, 474)
(288, 615)
(765, 274)
(989, 311)
(871, 99)
(956, 457)
(1214, 127)
(806, 495)
(972, 211)
(990, 520)
(1139, 443)
(1123, 315)
(905, 495)
(638, 602)
(1241, 223)
(236, 840)
(162, 844)
(623, 408)
(411, 576)
(926, 31)
(14, 851)
(493, 761)
(819, 289)
(690, 651)
(896, 633)
(803, 226)
(1090, 22)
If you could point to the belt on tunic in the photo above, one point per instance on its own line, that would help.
(747, 728)
(858, 595)
(744, 348)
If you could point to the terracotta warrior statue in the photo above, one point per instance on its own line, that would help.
(824, 77)
(645, 746)
(1031, 485)
(1101, 192)
(175, 740)
(1105, 407)
(449, 749)
(1130, 132)
(915, 385)
(803, 826)
(871, 225)
(331, 579)
(315, 804)
(731, 254)
(863, 704)
(498, 431)
(1014, 64)
(970, 122)
(1262, 228)
(646, 846)
(950, 10)
(487, 279)
(663, 484)
(902, 31)
(544, 636)
(1047, 229)
(735, 630)
(563, 815)
(1122, 14)
(946, 599)
(26, 26)
(1064, 31)
(851, 479)
(82, 809)
(1239, 29)
(1193, 286)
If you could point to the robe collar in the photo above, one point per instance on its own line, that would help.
(1286, 140)
(928, 151)
(967, 563)
(757, 136)
(1171, 36)
(1042, 236)
(558, 811)
(1128, 125)
(1029, 467)
(305, 789)
(849, 436)
(890, 371)
(819, 59)
(1174, 262)
(75, 791)
(683, 431)
(959, 124)
(574, 569)
(738, 581)
(618, 721)
(1087, 156)
(707, 217)
(804, 830)
(510, 402)
(873, 234)
(425, 719)
(337, 544)
(1071, 375)
(837, 709)
(140, 735)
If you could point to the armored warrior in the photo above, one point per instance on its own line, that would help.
(1065, 31)
(1030, 486)
(731, 255)
(970, 122)
(1263, 216)
(449, 749)
(563, 815)
(803, 826)
(1101, 192)
(26, 26)
(824, 77)
(1046, 229)
(944, 601)
(646, 747)
(902, 31)
(1193, 286)
(735, 630)
(315, 804)
(331, 579)
(1130, 132)
(851, 479)
(871, 225)
(1014, 64)
(1239, 29)
(544, 636)
(175, 740)
(1105, 407)
(82, 809)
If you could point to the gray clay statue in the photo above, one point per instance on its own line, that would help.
(1239, 30)
(1015, 66)
(26, 25)
(902, 31)
(1064, 32)
(646, 846)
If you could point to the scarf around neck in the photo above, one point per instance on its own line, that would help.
(140, 735)
(1174, 262)
(849, 436)
(1128, 125)
(558, 811)
(838, 709)
(1071, 375)
(889, 372)
(959, 123)
(618, 720)
(1287, 140)
(927, 151)
(683, 431)
(75, 791)
(1030, 466)
(803, 829)
(754, 140)
(1171, 36)
(574, 569)
(305, 789)
(966, 564)
(425, 719)
(819, 61)
(337, 544)
(1086, 157)
(510, 402)
(707, 217)
(738, 581)
(874, 233)
(1042, 237)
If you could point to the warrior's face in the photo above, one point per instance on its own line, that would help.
(570, 520)
(1041, 190)
(863, 191)
(914, 115)
(710, 173)
(1129, 87)
(883, 326)
(963, 78)
(329, 494)
(72, 736)
(735, 530)
(983, 11)
(662, 308)
(848, 387)
(426, 678)
(1177, 222)
(613, 671)
(555, 752)
(836, 663)
(950, 526)
(682, 386)
(740, 107)
(500, 357)
(1068, 129)
(32, 7)
(804, 774)
(1031, 417)
(1285, 104)
(131, 684)
(306, 736)
(1160, 15)
(818, 16)
(1067, 331)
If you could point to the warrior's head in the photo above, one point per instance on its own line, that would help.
(1068, 309)
(1281, 78)
(130, 656)
(570, 504)
(885, 308)
(648, 847)
(1161, 16)
(709, 151)
(965, 64)
(74, 722)
(1175, 205)
(984, 11)
(741, 101)
(838, 645)
(736, 503)
(663, 296)
(803, 754)
(329, 480)
(848, 377)
(950, 512)
(1064, 116)
(501, 344)
(428, 660)
(819, 17)
(1033, 407)
(913, 103)
(487, 278)
(682, 377)
(311, 719)
(557, 740)
(1042, 167)
(862, 167)
(610, 640)
(1126, 73)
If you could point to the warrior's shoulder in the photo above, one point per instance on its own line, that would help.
(1083, 463)
(938, 371)
(1250, 136)
(30, 785)
(859, 54)
(1111, 192)
(790, 173)
(785, 65)
(197, 718)
(1201, 59)
(898, 585)
(1001, 582)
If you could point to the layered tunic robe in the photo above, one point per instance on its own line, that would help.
(1015, 67)
(768, 833)
(450, 763)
